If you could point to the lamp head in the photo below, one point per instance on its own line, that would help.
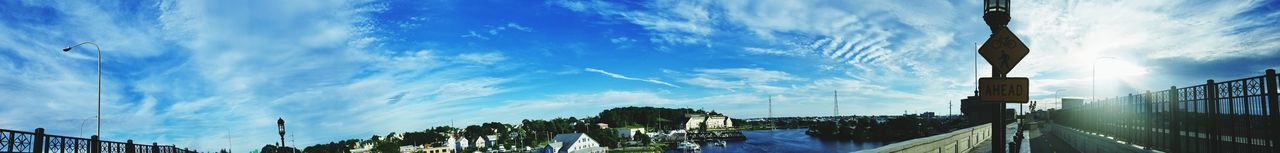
(68, 49)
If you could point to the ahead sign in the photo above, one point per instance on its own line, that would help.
(1003, 90)
(1003, 51)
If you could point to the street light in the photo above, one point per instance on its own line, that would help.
(280, 124)
(995, 13)
(98, 132)
(1056, 94)
(1094, 95)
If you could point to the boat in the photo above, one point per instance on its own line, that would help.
(720, 143)
(688, 147)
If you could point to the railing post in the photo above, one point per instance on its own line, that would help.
(1273, 100)
(129, 148)
(1211, 114)
(1148, 120)
(95, 144)
(155, 148)
(38, 143)
(1175, 129)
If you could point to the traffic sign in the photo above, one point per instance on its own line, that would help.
(1003, 90)
(1003, 51)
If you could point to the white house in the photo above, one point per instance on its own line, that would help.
(457, 142)
(713, 122)
(573, 143)
(490, 140)
(362, 147)
(479, 142)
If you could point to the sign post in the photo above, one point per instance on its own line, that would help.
(1003, 50)
(1004, 90)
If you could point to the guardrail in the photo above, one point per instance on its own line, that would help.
(39, 142)
(957, 141)
(1231, 116)
(1088, 142)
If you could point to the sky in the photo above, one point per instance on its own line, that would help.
(211, 75)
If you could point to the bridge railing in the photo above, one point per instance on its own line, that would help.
(1230, 116)
(39, 142)
(958, 141)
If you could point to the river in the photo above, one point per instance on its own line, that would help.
(787, 140)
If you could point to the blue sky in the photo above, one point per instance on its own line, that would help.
(194, 73)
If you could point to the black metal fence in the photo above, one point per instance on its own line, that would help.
(1231, 116)
(39, 142)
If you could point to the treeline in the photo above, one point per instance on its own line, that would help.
(898, 128)
(651, 117)
(531, 133)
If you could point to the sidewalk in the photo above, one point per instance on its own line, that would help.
(1010, 130)
(1049, 143)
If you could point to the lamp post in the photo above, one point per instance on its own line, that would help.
(1094, 95)
(996, 14)
(280, 124)
(1057, 94)
(98, 132)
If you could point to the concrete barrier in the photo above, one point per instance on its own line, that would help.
(1088, 142)
(957, 141)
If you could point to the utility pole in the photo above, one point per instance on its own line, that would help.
(836, 97)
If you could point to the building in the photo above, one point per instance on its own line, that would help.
(602, 125)
(696, 121)
(573, 143)
(928, 115)
(362, 147)
(479, 142)
(626, 133)
(491, 140)
(438, 150)
(457, 142)
(1068, 103)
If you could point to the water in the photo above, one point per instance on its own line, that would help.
(788, 140)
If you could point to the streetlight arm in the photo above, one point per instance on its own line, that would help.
(95, 46)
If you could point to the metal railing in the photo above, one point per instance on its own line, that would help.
(1231, 116)
(39, 142)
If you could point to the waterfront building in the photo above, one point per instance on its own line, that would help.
(573, 143)
(627, 133)
(696, 121)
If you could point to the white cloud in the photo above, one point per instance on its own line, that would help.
(495, 30)
(654, 81)
(619, 40)
(684, 22)
(740, 78)
(518, 27)
(482, 58)
(473, 34)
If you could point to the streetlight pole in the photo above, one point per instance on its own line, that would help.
(68, 49)
(1094, 95)
(996, 15)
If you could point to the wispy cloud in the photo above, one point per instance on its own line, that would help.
(733, 79)
(495, 30)
(654, 81)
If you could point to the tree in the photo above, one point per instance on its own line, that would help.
(386, 147)
(640, 136)
(275, 149)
